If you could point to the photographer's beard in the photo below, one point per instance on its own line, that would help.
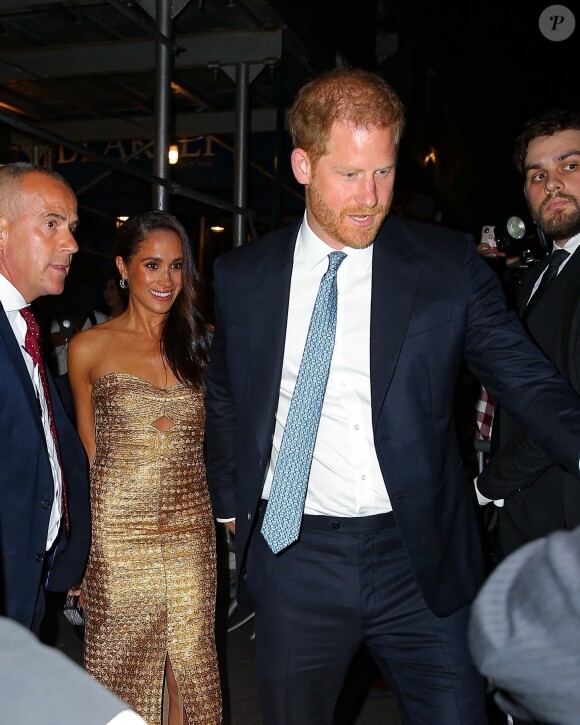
(560, 225)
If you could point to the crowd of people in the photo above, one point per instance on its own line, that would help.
(315, 420)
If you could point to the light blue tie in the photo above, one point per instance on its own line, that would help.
(283, 517)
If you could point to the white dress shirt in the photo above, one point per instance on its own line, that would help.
(345, 478)
(13, 302)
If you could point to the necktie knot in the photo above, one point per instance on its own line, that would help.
(335, 259)
(32, 339)
(557, 258)
(30, 318)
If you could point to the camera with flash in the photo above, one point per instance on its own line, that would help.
(511, 239)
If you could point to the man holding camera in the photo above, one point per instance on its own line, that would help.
(539, 495)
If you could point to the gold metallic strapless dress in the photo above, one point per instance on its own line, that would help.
(150, 583)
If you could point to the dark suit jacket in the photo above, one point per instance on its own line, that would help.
(434, 303)
(27, 490)
(541, 496)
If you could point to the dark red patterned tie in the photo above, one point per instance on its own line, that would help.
(32, 347)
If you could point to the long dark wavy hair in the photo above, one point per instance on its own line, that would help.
(185, 337)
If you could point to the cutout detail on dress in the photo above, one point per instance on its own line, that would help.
(163, 423)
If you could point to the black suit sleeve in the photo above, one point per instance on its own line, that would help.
(221, 419)
(72, 551)
(66, 396)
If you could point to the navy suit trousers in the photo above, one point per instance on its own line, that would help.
(345, 582)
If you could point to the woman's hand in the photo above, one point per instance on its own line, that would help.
(77, 592)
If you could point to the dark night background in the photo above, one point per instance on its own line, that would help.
(469, 74)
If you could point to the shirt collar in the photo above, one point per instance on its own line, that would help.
(10, 297)
(315, 250)
(571, 245)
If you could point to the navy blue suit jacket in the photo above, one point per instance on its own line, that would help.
(27, 490)
(434, 303)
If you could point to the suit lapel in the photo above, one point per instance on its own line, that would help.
(528, 283)
(395, 282)
(22, 376)
(268, 298)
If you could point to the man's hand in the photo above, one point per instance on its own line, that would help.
(489, 250)
(231, 527)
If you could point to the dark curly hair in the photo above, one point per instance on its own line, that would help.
(547, 124)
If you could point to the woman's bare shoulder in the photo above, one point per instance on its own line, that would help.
(91, 337)
(97, 343)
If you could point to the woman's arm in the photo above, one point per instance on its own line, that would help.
(80, 359)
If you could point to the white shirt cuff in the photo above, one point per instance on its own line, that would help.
(483, 500)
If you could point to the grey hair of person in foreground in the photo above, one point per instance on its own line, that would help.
(524, 630)
(39, 684)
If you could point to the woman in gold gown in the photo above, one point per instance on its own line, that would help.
(149, 589)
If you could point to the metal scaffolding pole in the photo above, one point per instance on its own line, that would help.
(163, 75)
(241, 152)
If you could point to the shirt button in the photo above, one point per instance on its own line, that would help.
(39, 558)
(357, 427)
(364, 477)
(46, 504)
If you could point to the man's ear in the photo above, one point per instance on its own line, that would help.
(3, 231)
(301, 166)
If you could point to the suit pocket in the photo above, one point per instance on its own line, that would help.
(439, 314)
